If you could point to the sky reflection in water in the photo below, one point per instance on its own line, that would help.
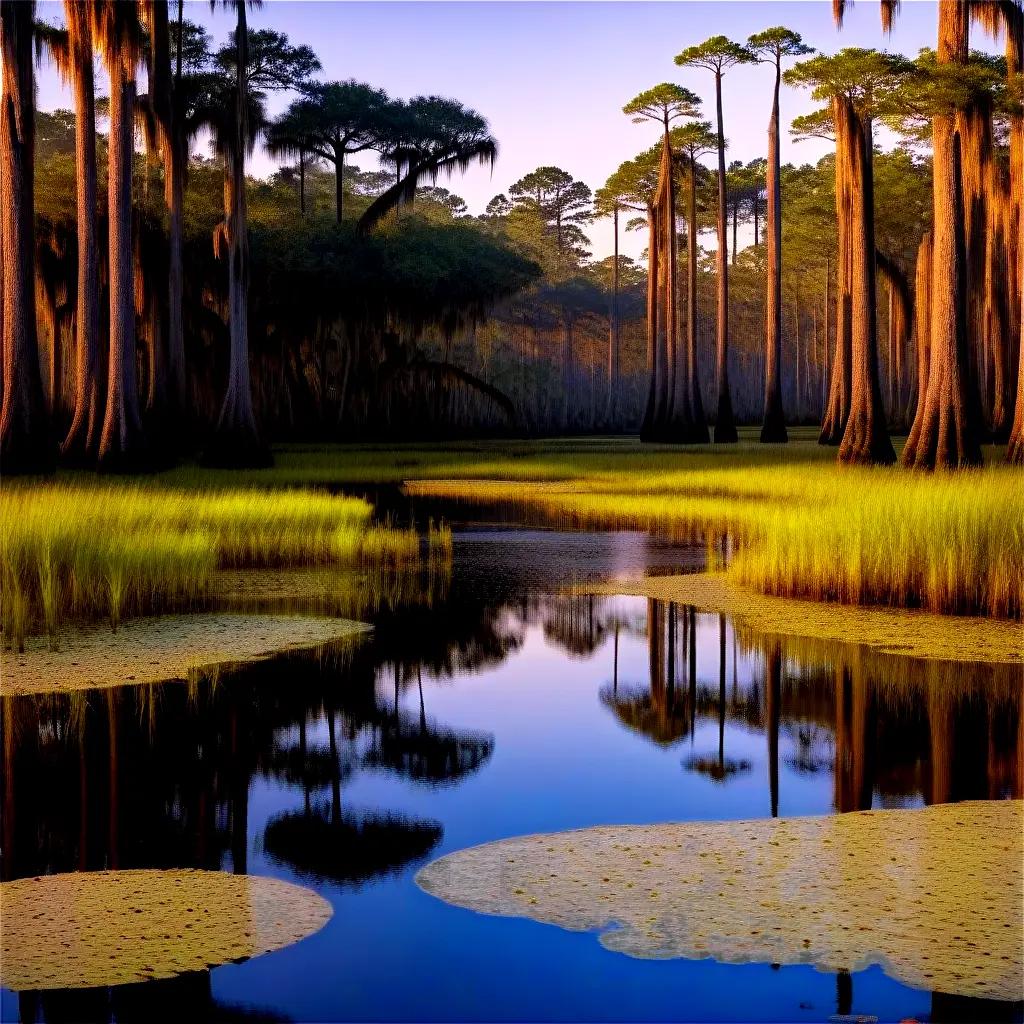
(499, 711)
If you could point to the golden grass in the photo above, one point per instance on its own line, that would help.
(87, 550)
(800, 526)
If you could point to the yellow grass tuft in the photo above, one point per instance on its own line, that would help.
(113, 550)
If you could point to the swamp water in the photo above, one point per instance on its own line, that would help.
(502, 706)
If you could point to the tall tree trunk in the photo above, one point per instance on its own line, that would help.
(773, 428)
(922, 335)
(725, 424)
(676, 410)
(838, 408)
(866, 439)
(647, 428)
(302, 182)
(699, 427)
(236, 441)
(1015, 444)
(611, 410)
(974, 126)
(26, 438)
(83, 437)
(901, 318)
(122, 445)
(948, 437)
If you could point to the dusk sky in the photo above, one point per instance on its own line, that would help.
(552, 77)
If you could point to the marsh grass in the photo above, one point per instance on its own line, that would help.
(797, 526)
(110, 550)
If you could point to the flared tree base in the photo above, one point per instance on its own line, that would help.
(865, 443)
(1015, 452)
(725, 433)
(773, 431)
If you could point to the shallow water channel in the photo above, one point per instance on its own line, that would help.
(496, 705)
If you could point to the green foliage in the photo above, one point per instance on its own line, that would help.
(775, 43)
(872, 80)
(715, 54)
(664, 103)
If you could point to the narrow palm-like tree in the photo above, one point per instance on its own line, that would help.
(122, 443)
(665, 104)
(632, 187)
(717, 55)
(771, 46)
(291, 135)
(26, 440)
(236, 440)
(252, 63)
(347, 117)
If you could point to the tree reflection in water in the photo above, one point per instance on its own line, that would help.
(160, 776)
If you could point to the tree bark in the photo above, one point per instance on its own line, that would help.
(122, 445)
(725, 424)
(647, 428)
(26, 439)
(948, 436)
(699, 427)
(922, 334)
(838, 408)
(236, 441)
(773, 428)
(901, 317)
(866, 439)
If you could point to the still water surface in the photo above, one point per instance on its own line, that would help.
(501, 708)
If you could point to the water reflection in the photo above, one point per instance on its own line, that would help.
(346, 768)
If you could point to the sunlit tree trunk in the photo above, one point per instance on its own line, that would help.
(922, 332)
(725, 425)
(773, 428)
(1015, 444)
(838, 408)
(699, 427)
(122, 446)
(647, 428)
(947, 435)
(865, 439)
(83, 438)
(26, 439)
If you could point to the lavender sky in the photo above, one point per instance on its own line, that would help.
(552, 77)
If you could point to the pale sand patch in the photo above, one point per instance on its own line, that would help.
(101, 928)
(917, 634)
(151, 650)
(934, 895)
